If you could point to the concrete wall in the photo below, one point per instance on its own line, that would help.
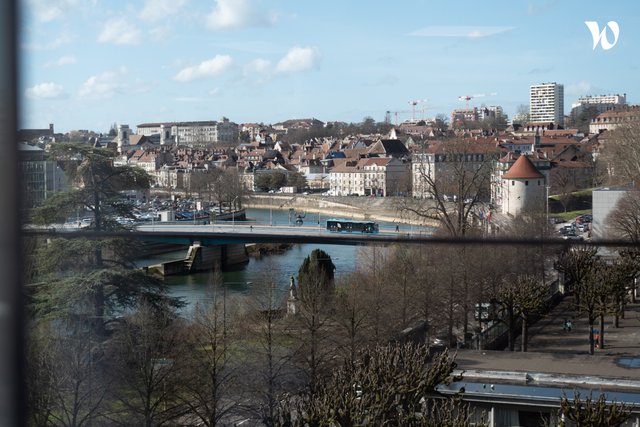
(604, 200)
(376, 208)
(233, 255)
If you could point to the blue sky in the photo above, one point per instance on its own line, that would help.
(86, 64)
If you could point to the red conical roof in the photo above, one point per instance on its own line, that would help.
(523, 169)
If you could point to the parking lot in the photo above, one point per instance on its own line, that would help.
(577, 229)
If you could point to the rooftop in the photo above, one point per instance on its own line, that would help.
(523, 168)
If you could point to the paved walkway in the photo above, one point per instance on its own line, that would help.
(547, 335)
(553, 351)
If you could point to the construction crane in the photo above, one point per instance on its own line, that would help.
(468, 98)
(395, 113)
(413, 104)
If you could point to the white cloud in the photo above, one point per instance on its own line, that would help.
(472, 32)
(154, 10)
(63, 60)
(50, 10)
(581, 88)
(160, 33)
(119, 31)
(63, 39)
(228, 14)
(257, 66)
(103, 85)
(187, 99)
(45, 91)
(299, 59)
(209, 68)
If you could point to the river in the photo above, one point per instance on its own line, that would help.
(280, 267)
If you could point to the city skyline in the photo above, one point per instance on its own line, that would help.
(88, 64)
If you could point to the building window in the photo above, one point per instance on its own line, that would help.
(526, 183)
(513, 183)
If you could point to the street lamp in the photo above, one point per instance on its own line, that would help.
(233, 213)
(547, 205)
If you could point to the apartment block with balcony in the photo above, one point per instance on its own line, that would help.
(546, 103)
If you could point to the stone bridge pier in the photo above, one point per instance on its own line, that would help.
(205, 258)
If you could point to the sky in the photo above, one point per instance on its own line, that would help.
(86, 64)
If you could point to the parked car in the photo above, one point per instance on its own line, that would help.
(584, 218)
(567, 229)
(584, 226)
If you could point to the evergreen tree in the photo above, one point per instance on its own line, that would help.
(92, 278)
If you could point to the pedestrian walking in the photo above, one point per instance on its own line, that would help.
(397, 228)
(569, 324)
(565, 325)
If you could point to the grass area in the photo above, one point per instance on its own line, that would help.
(577, 203)
(567, 216)
(580, 193)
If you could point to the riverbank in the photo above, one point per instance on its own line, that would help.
(370, 208)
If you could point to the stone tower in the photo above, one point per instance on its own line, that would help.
(123, 137)
(523, 188)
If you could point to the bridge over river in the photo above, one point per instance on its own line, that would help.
(224, 233)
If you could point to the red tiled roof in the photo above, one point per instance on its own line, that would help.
(523, 169)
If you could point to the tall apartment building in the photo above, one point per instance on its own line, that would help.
(546, 103)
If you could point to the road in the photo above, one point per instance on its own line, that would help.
(247, 233)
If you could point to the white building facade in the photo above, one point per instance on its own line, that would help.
(376, 176)
(190, 133)
(604, 201)
(600, 102)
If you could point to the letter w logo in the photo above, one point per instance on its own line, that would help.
(601, 36)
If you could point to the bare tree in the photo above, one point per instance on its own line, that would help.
(624, 220)
(146, 360)
(210, 377)
(574, 263)
(390, 385)
(521, 297)
(401, 269)
(522, 114)
(268, 362)
(351, 316)
(620, 155)
(563, 185)
(67, 385)
(592, 412)
(594, 294)
(451, 177)
(315, 292)
(379, 293)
